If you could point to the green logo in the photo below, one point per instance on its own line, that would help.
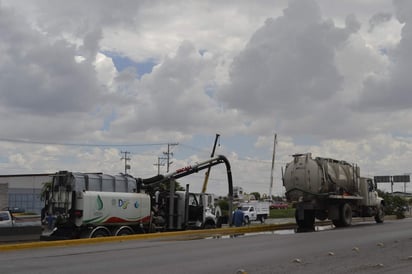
(99, 203)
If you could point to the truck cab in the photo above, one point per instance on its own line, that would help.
(369, 192)
(249, 213)
(6, 219)
(201, 209)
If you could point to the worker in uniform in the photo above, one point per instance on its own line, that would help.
(238, 217)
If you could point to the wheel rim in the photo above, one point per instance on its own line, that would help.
(100, 232)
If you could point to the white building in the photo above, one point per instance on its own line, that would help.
(23, 191)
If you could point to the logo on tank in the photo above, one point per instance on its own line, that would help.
(99, 203)
(123, 203)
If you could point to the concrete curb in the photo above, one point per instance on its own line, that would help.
(167, 235)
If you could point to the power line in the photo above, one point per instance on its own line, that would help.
(194, 148)
(159, 163)
(77, 144)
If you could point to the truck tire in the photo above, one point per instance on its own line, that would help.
(345, 216)
(209, 224)
(123, 231)
(100, 231)
(307, 224)
(380, 215)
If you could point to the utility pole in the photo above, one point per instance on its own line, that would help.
(169, 154)
(273, 167)
(126, 159)
(159, 163)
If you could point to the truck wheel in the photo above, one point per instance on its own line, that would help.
(337, 223)
(346, 215)
(123, 231)
(307, 224)
(100, 231)
(309, 219)
(379, 217)
(209, 225)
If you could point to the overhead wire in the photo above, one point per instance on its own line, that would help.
(77, 144)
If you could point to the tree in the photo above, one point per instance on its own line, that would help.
(256, 194)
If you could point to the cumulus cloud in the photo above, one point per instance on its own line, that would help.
(378, 19)
(173, 98)
(305, 69)
(391, 91)
(58, 84)
(288, 68)
(41, 76)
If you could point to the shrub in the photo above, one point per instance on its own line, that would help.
(394, 205)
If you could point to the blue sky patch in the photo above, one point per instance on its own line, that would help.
(202, 52)
(123, 62)
(108, 120)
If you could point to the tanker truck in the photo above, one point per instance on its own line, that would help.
(324, 188)
(90, 205)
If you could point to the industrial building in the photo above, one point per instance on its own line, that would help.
(23, 191)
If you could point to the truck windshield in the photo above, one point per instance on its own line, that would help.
(193, 200)
(4, 216)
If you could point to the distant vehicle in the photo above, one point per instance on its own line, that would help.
(6, 219)
(15, 209)
(279, 205)
(255, 211)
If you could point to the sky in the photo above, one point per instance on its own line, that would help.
(82, 82)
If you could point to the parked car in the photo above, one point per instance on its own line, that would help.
(15, 209)
(279, 205)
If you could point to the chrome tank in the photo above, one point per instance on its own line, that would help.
(306, 177)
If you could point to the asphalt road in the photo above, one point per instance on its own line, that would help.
(363, 248)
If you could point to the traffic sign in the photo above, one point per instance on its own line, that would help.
(382, 179)
(401, 179)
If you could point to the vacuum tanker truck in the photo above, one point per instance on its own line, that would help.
(89, 205)
(324, 188)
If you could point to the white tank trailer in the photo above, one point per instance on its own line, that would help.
(324, 188)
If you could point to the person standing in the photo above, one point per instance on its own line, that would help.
(238, 217)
